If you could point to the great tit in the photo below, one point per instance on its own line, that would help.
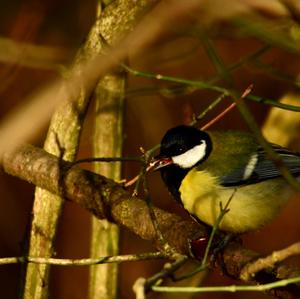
(205, 168)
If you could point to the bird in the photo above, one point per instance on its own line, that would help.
(204, 170)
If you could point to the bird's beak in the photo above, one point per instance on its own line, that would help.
(160, 162)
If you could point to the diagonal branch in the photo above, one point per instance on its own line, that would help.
(101, 196)
(106, 199)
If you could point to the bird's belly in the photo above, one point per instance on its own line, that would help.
(248, 209)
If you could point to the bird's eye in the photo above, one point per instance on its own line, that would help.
(175, 149)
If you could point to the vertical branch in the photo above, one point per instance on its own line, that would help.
(109, 96)
(63, 137)
(107, 142)
(62, 140)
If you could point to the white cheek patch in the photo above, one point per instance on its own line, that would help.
(190, 157)
(250, 167)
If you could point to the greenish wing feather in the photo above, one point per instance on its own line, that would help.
(232, 153)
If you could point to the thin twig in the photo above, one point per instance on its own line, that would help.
(143, 179)
(168, 269)
(107, 159)
(218, 117)
(135, 179)
(231, 289)
(142, 285)
(206, 85)
(148, 166)
(198, 84)
(228, 109)
(253, 56)
(83, 262)
(268, 262)
(223, 211)
(220, 67)
(146, 90)
(209, 108)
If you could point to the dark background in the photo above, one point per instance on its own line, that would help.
(64, 24)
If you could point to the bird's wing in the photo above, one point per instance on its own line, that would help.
(260, 168)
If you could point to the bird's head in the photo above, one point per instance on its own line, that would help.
(184, 147)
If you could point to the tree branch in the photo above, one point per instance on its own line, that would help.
(107, 199)
(101, 196)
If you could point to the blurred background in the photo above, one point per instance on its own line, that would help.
(59, 28)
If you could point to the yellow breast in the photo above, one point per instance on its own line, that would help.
(250, 208)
